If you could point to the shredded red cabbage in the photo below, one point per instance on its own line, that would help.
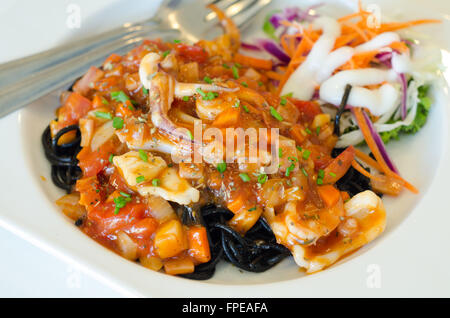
(403, 109)
(250, 47)
(274, 49)
(385, 58)
(292, 14)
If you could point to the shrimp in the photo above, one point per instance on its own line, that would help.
(163, 88)
(139, 133)
(304, 224)
(319, 242)
(210, 109)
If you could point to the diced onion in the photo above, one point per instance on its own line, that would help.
(151, 262)
(127, 247)
(70, 206)
(160, 209)
(102, 135)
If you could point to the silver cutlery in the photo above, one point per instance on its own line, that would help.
(29, 78)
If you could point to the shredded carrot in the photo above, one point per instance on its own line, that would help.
(364, 172)
(274, 75)
(329, 194)
(367, 159)
(253, 61)
(376, 152)
(356, 30)
(399, 46)
(360, 60)
(393, 26)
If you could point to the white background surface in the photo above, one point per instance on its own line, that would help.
(412, 265)
(25, 270)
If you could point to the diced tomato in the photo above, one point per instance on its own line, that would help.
(75, 107)
(308, 110)
(112, 59)
(107, 222)
(92, 162)
(143, 229)
(89, 189)
(86, 83)
(320, 156)
(191, 53)
(119, 182)
(329, 194)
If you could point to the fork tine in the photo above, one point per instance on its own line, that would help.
(243, 17)
(223, 5)
(238, 10)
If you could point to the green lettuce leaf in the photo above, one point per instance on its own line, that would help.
(423, 109)
(268, 27)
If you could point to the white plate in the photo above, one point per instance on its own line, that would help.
(410, 259)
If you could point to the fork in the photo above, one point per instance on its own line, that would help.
(27, 79)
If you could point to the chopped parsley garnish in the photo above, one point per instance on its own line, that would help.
(119, 96)
(332, 174)
(140, 179)
(207, 96)
(262, 178)
(237, 104)
(318, 131)
(126, 195)
(244, 84)
(304, 172)
(165, 53)
(235, 72)
(103, 115)
(306, 154)
(143, 155)
(226, 66)
(290, 169)
(321, 174)
(117, 123)
(275, 114)
(104, 101)
(299, 148)
(207, 79)
(144, 90)
(245, 108)
(221, 167)
(156, 182)
(185, 98)
(288, 95)
(260, 83)
(190, 135)
(211, 95)
(244, 177)
(280, 152)
(283, 101)
(308, 131)
(201, 92)
(176, 41)
(110, 159)
(120, 202)
(319, 181)
(252, 209)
